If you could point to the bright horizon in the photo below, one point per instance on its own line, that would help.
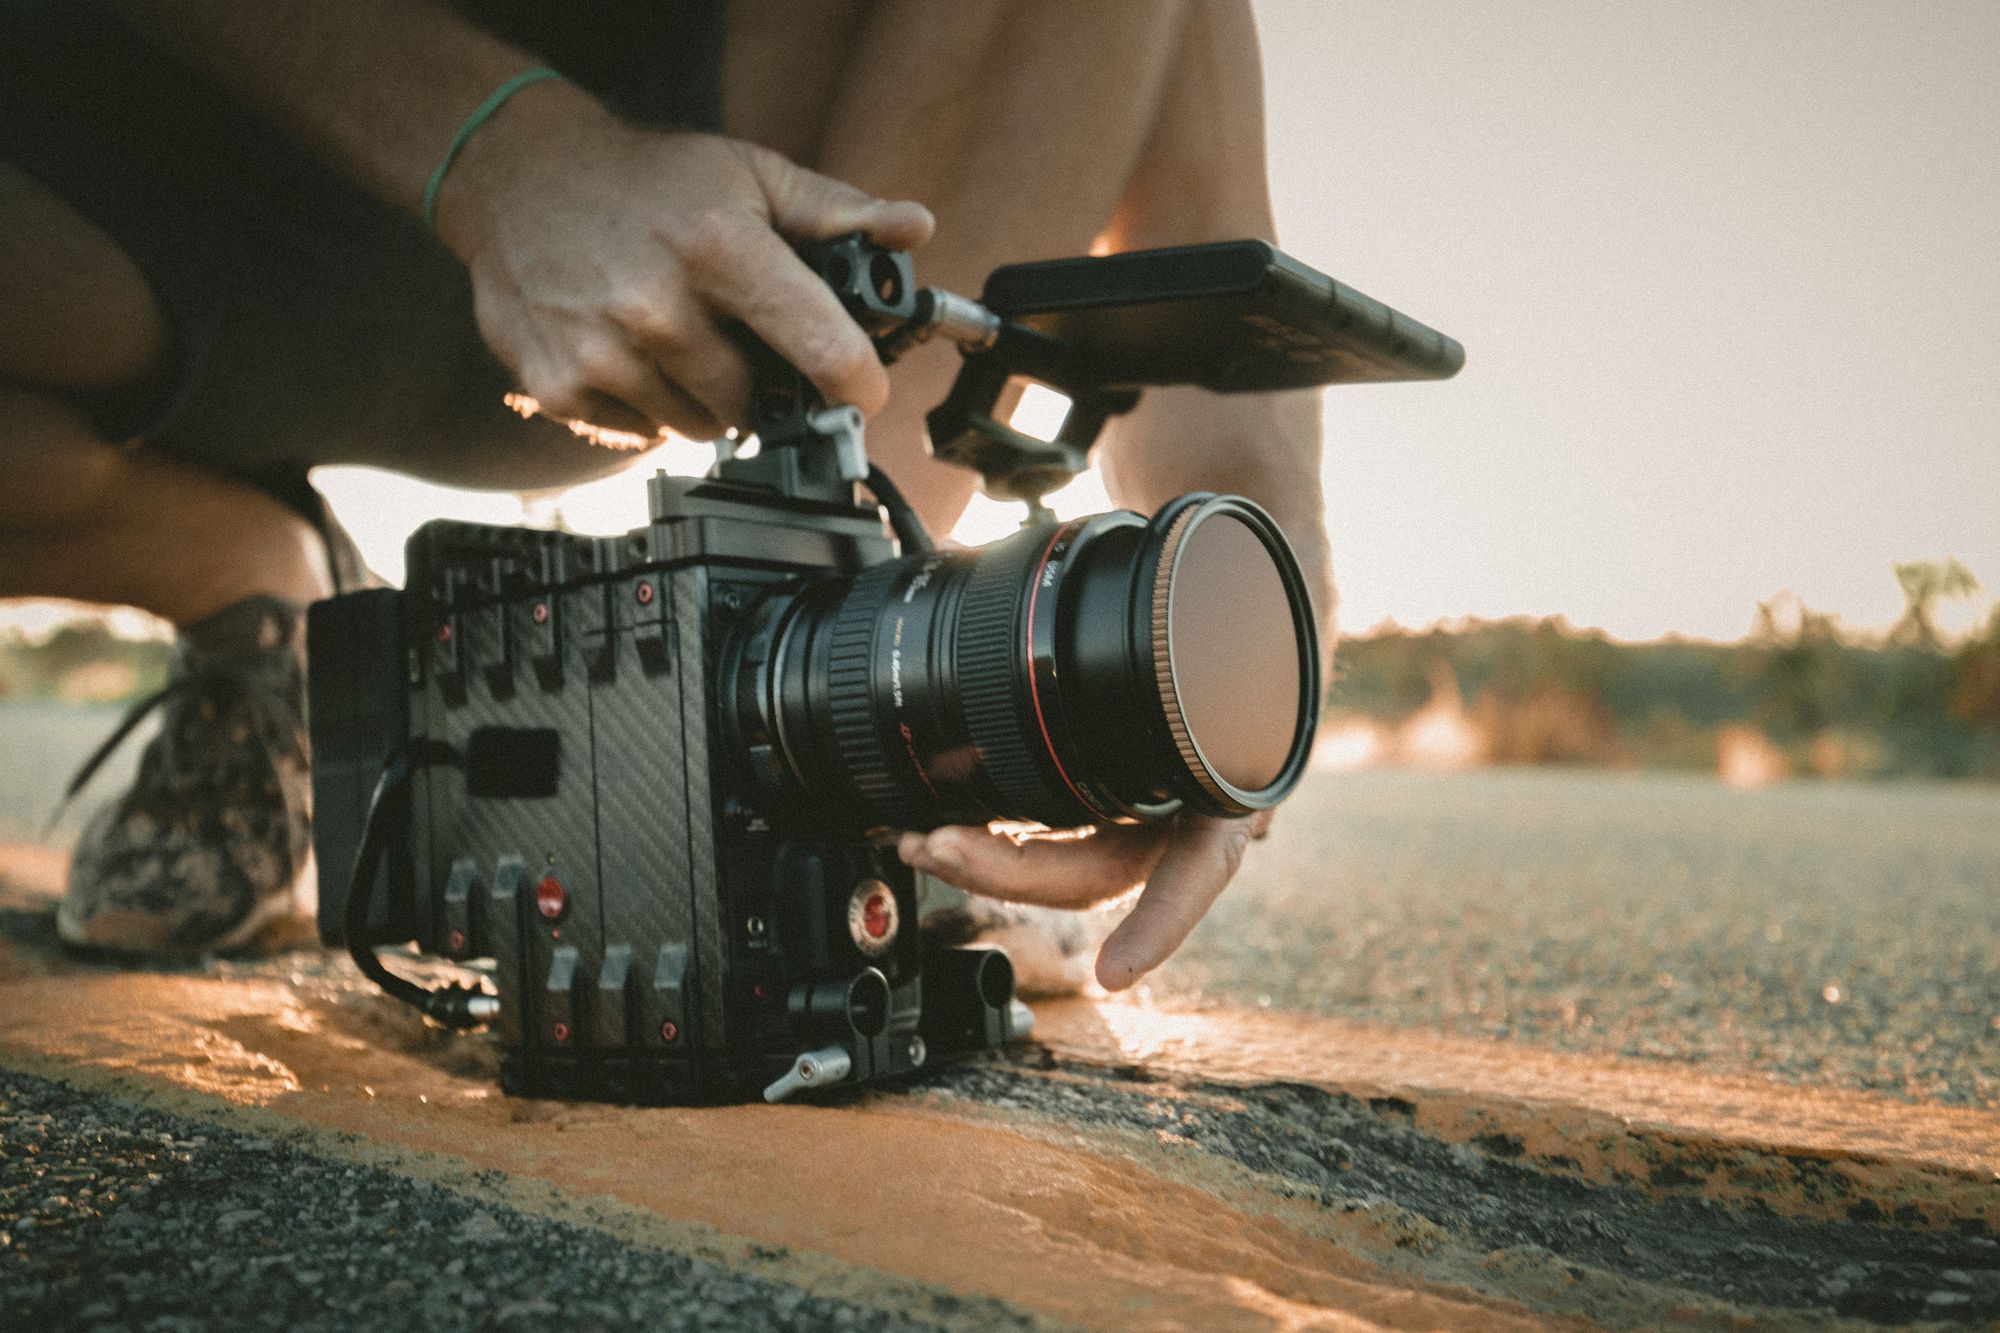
(1725, 275)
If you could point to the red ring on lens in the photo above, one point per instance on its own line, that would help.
(1034, 666)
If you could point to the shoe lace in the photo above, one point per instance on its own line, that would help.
(273, 715)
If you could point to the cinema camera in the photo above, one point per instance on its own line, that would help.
(649, 776)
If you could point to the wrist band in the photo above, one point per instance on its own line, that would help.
(480, 115)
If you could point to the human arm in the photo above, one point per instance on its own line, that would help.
(606, 260)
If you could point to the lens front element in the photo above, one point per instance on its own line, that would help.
(1226, 653)
(1106, 669)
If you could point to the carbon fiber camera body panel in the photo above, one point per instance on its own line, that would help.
(654, 935)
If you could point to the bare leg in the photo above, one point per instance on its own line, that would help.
(1038, 128)
(1018, 124)
(81, 517)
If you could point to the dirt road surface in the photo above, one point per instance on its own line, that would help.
(263, 1145)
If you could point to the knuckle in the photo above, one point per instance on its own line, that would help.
(655, 321)
(600, 365)
(1234, 844)
(557, 395)
(711, 240)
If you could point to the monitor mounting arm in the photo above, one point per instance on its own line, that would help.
(810, 450)
(1227, 316)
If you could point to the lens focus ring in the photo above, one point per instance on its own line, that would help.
(991, 664)
(850, 666)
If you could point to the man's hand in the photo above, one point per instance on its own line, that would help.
(607, 263)
(606, 260)
(1184, 863)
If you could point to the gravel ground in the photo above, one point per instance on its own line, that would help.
(113, 1216)
(1481, 1215)
(117, 1216)
(1829, 933)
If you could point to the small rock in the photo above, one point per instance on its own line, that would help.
(479, 1228)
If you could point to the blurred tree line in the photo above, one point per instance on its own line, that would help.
(82, 661)
(1913, 701)
(1908, 703)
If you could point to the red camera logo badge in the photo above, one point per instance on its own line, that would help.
(872, 918)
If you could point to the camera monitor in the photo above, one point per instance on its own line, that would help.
(1235, 316)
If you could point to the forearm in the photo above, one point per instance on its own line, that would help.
(1202, 178)
(377, 88)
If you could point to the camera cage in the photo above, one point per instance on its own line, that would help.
(1231, 317)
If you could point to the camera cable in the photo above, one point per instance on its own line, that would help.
(903, 518)
(454, 1005)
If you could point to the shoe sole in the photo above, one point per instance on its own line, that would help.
(134, 935)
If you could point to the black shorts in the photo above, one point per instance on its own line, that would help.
(312, 323)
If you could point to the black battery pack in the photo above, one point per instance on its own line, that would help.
(357, 706)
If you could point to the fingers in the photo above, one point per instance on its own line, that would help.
(635, 384)
(747, 270)
(700, 363)
(612, 387)
(604, 419)
(806, 206)
(1199, 861)
(1051, 872)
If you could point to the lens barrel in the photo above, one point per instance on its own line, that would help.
(1110, 668)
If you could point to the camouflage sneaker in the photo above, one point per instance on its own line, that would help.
(205, 853)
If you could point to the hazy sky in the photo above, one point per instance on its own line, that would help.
(1727, 275)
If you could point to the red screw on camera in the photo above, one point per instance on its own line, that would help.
(551, 898)
(539, 613)
(457, 941)
(644, 592)
(669, 1031)
(444, 632)
(561, 1033)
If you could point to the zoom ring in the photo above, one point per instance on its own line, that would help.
(988, 668)
(850, 669)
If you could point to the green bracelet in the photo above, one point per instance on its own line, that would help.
(480, 115)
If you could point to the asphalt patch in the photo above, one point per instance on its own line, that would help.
(116, 1216)
(1353, 1156)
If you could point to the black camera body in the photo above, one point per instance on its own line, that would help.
(654, 936)
(650, 776)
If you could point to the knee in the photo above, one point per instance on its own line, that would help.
(53, 468)
(80, 314)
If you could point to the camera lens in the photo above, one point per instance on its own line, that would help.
(1109, 668)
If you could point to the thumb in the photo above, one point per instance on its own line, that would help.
(806, 206)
